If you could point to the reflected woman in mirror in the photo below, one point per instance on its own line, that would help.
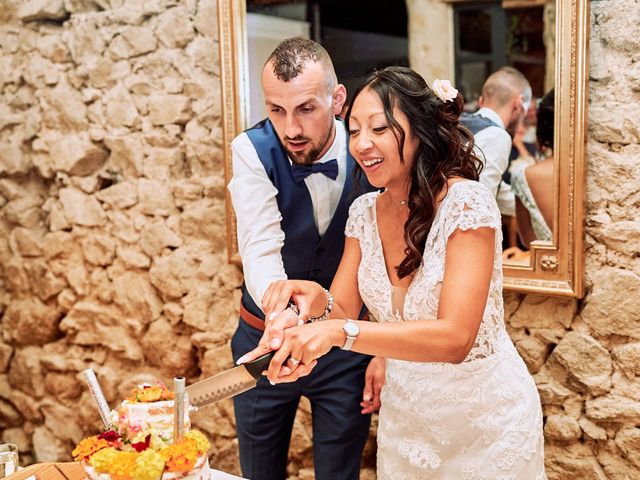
(425, 258)
(533, 185)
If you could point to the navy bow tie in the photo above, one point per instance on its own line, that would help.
(300, 172)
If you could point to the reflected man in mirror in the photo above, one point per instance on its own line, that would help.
(504, 102)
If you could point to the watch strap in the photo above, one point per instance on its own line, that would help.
(348, 343)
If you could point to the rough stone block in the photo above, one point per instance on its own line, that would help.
(25, 373)
(628, 440)
(81, 208)
(37, 10)
(537, 311)
(165, 109)
(25, 242)
(575, 461)
(562, 428)
(120, 109)
(132, 42)
(627, 358)
(94, 324)
(174, 28)
(588, 364)
(133, 258)
(613, 408)
(136, 295)
(13, 161)
(179, 360)
(155, 198)
(77, 155)
(120, 195)
(31, 322)
(610, 309)
(49, 448)
(98, 249)
(63, 108)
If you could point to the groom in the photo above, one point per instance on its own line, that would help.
(291, 190)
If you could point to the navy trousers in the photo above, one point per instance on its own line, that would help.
(265, 414)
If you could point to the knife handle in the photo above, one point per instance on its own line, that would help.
(259, 365)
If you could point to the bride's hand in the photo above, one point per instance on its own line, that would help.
(305, 344)
(302, 292)
(272, 336)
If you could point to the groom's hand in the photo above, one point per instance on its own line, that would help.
(272, 336)
(373, 383)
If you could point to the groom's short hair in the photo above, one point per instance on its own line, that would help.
(292, 55)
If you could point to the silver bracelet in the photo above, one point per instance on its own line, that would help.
(327, 309)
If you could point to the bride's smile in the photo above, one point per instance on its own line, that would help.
(375, 143)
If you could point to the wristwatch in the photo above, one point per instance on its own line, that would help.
(351, 329)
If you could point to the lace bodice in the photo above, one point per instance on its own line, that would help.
(468, 204)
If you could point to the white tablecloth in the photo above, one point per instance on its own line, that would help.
(218, 475)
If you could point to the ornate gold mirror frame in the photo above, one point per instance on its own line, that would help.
(556, 267)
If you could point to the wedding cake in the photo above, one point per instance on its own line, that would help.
(139, 445)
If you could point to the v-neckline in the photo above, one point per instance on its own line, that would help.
(379, 238)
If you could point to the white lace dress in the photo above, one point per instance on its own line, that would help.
(477, 420)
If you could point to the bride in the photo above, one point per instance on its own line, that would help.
(425, 258)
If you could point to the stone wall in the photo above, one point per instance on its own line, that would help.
(112, 241)
(586, 355)
(112, 227)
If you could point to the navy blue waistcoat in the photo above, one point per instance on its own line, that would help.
(306, 255)
(476, 123)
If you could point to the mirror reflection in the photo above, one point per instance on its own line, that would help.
(512, 118)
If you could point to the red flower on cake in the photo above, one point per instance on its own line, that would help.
(142, 446)
(110, 436)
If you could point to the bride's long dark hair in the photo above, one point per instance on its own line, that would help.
(445, 149)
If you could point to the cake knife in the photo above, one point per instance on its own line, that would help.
(228, 383)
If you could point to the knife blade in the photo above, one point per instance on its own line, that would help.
(228, 383)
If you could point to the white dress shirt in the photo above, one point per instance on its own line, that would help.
(493, 146)
(260, 237)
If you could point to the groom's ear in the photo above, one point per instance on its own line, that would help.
(339, 97)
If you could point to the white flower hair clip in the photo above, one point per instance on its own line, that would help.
(444, 90)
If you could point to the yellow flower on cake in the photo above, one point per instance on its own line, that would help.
(88, 447)
(201, 442)
(149, 465)
(181, 456)
(150, 393)
(119, 464)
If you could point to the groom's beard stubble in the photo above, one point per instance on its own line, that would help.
(306, 158)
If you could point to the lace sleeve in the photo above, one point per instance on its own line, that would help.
(471, 206)
(359, 216)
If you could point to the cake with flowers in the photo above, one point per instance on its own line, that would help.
(139, 445)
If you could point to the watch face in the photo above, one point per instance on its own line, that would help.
(351, 329)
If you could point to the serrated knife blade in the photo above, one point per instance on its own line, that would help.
(228, 383)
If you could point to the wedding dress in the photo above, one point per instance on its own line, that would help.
(477, 420)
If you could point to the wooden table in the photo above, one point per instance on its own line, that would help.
(74, 471)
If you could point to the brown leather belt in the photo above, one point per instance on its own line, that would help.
(251, 319)
(257, 322)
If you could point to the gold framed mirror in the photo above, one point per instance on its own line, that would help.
(554, 267)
